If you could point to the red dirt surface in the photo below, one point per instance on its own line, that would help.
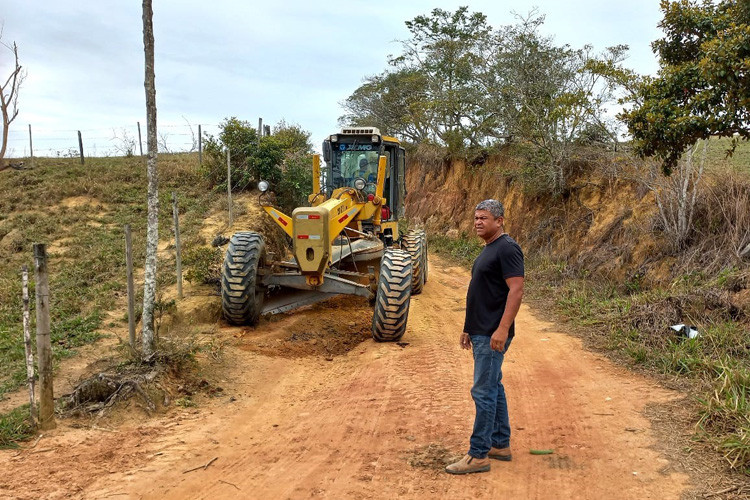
(312, 408)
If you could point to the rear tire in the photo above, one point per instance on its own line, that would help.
(241, 293)
(393, 296)
(412, 242)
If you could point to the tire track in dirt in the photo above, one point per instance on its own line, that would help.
(382, 420)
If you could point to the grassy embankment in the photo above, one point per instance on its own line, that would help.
(79, 211)
(631, 320)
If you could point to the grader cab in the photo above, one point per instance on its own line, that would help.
(346, 242)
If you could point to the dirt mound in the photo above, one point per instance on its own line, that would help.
(328, 329)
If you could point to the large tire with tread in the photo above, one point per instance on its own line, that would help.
(241, 293)
(393, 296)
(413, 243)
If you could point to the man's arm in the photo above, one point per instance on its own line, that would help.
(512, 305)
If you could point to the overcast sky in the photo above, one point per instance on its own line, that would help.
(290, 59)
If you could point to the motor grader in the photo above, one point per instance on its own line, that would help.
(346, 242)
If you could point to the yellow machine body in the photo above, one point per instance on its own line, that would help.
(346, 211)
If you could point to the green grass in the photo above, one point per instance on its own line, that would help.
(15, 427)
(463, 249)
(716, 154)
(87, 265)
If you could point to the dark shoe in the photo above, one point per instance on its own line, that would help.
(469, 464)
(500, 454)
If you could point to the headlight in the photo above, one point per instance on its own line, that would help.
(359, 183)
(375, 138)
(263, 186)
(334, 138)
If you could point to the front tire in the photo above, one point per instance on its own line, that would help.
(241, 293)
(393, 296)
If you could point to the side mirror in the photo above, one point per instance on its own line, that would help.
(327, 150)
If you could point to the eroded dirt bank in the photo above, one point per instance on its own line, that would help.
(379, 421)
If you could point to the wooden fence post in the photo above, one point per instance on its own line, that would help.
(200, 146)
(229, 188)
(131, 286)
(43, 343)
(80, 145)
(31, 148)
(27, 343)
(140, 142)
(178, 248)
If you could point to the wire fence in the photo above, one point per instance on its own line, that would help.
(120, 140)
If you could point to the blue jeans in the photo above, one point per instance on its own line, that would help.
(491, 425)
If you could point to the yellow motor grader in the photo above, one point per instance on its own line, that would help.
(346, 242)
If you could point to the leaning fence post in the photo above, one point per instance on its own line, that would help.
(178, 249)
(43, 342)
(140, 142)
(27, 343)
(131, 286)
(200, 146)
(31, 148)
(80, 145)
(229, 188)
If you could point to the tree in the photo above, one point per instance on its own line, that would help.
(464, 85)
(9, 97)
(397, 102)
(548, 99)
(296, 181)
(283, 158)
(702, 88)
(152, 233)
(449, 50)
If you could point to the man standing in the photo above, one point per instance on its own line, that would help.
(492, 302)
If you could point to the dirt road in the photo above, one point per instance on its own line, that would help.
(378, 421)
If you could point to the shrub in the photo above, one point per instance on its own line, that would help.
(284, 159)
(204, 264)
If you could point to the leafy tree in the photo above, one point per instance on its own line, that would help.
(464, 85)
(292, 137)
(702, 88)
(394, 101)
(548, 99)
(283, 158)
(296, 180)
(449, 49)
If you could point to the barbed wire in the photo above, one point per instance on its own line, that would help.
(116, 140)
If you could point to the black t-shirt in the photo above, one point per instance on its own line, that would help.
(488, 291)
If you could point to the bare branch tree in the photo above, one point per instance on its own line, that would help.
(193, 136)
(676, 195)
(163, 142)
(9, 97)
(152, 234)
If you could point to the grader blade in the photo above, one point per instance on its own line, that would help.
(362, 250)
(292, 299)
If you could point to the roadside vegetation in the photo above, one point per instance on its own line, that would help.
(703, 282)
(678, 247)
(79, 211)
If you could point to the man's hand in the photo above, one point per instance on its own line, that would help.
(465, 340)
(498, 339)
